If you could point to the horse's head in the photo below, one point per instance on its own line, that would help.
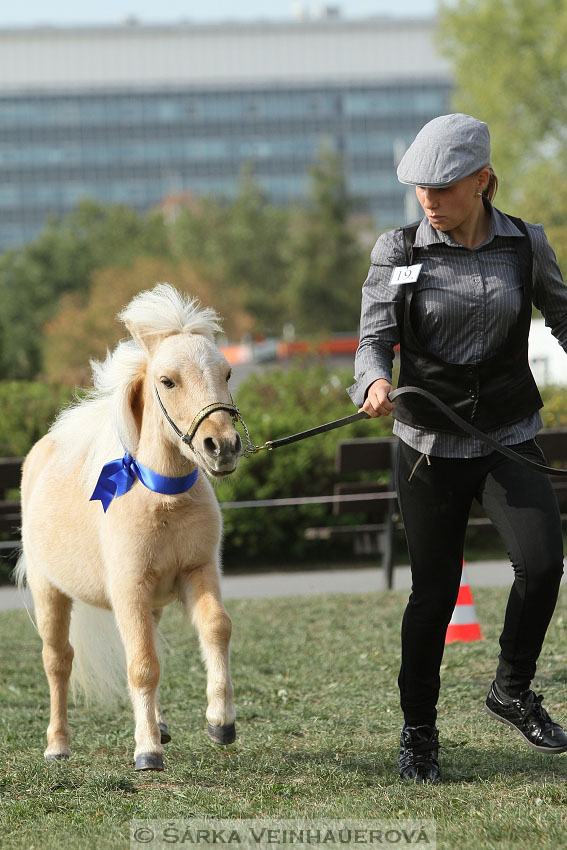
(190, 381)
(186, 378)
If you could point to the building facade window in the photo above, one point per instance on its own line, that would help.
(136, 147)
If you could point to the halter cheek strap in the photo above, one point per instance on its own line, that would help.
(202, 415)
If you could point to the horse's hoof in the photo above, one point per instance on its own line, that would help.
(164, 732)
(222, 734)
(149, 761)
(57, 757)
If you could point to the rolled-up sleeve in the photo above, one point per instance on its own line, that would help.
(379, 317)
(549, 289)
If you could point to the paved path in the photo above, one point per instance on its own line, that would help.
(493, 573)
(311, 583)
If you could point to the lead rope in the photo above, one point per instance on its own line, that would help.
(454, 417)
(269, 445)
(251, 449)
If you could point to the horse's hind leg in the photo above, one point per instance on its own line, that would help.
(163, 728)
(53, 615)
(203, 604)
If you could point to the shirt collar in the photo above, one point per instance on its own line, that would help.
(498, 225)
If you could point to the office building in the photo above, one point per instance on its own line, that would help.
(131, 114)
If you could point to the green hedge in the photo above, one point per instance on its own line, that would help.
(274, 403)
(554, 412)
(26, 410)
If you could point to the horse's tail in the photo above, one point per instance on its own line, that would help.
(20, 576)
(99, 664)
(20, 571)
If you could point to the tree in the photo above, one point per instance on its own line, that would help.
(59, 262)
(510, 67)
(545, 201)
(257, 235)
(31, 281)
(80, 331)
(327, 265)
(241, 244)
(261, 266)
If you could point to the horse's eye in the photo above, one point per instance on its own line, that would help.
(229, 376)
(167, 383)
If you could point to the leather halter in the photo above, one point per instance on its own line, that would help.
(200, 417)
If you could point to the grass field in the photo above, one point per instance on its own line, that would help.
(318, 723)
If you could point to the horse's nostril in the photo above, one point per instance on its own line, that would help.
(214, 448)
(211, 447)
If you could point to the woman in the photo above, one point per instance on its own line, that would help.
(456, 292)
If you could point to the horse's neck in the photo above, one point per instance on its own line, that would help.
(160, 455)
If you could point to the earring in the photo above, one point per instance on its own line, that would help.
(478, 194)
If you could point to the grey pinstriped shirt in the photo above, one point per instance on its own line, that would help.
(466, 301)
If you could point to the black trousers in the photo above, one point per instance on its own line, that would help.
(435, 500)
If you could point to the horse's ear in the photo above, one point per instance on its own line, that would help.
(148, 342)
(136, 401)
(129, 412)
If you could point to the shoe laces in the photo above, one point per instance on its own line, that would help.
(425, 747)
(420, 747)
(532, 708)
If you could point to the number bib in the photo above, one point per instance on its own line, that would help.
(405, 274)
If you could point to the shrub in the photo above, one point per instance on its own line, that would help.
(554, 412)
(276, 403)
(281, 402)
(27, 408)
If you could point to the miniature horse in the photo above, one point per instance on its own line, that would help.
(159, 415)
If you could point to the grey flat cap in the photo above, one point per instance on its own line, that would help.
(447, 149)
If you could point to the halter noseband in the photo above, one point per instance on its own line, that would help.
(200, 417)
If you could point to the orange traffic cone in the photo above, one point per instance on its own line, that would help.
(464, 625)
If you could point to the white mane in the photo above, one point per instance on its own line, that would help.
(100, 426)
(163, 310)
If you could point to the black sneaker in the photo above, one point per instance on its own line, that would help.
(526, 714)
(419, 746)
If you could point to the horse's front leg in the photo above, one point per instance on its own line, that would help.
(203, 604)
(132, 609)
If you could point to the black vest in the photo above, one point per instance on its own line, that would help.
(493, 393)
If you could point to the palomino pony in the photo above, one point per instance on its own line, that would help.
(160, 414)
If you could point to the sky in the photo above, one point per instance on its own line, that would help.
(67, 12)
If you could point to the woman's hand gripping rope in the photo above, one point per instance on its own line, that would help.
(377, 402)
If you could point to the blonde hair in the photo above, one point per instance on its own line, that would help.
(490, 191)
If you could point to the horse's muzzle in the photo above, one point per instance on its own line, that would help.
(221, 454)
